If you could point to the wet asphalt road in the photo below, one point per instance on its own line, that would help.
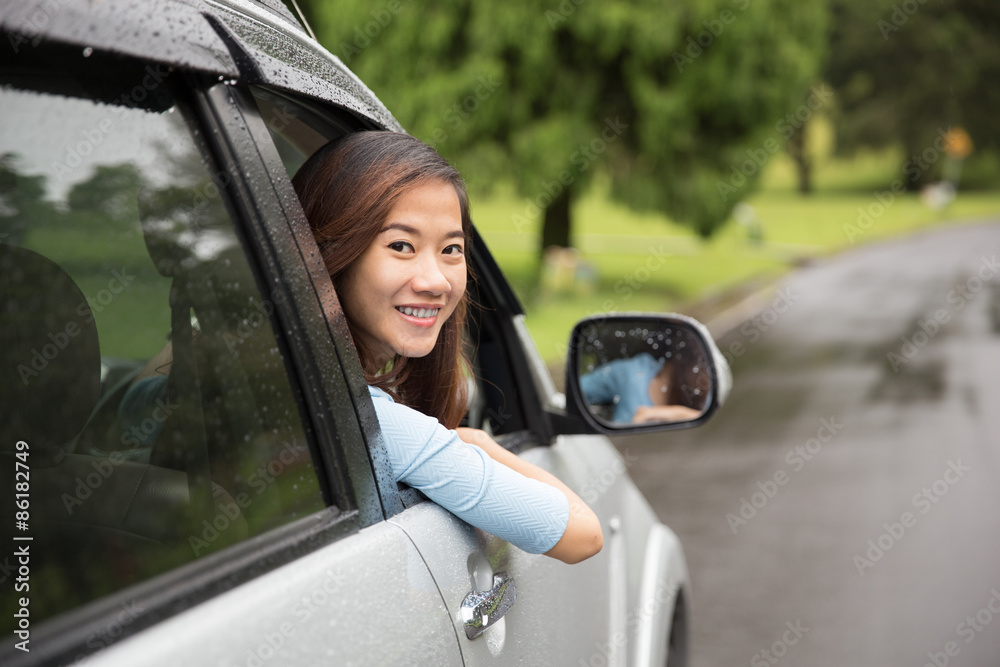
(850, 488)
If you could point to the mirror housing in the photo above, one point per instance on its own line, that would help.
(644, 372)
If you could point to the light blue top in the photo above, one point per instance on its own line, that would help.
(463, 479)
(623, 383)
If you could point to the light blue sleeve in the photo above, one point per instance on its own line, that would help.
(634, 375)
(599, 385)
(464, 480)
(622, 383)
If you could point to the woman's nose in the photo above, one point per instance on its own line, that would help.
(430, 278)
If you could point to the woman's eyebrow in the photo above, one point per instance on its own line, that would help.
(407, 229)
(401, 227)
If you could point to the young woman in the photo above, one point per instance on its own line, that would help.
(640, 389)
(391, 218)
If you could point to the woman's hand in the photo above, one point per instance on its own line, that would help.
(664, 413)
(583, 536)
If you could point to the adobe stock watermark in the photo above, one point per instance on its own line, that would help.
(698, 44)
(788, 637)
(967, 630)
(364, 34)
(901, 13)
(597, 486)
(104, 467)
(626, 287)
(755, 327)
(884, 199)
(58, 340)
(256, 316)
(93, 137)
(142, 432)
(581, 159)
(271, 642)
(606, 653)
(228, 512)
(112, 630)
(927, 329)
(632, 282)
(563, 12)
(37, 23)
(205, 193)
(796, 458)
(460, 111)
(785, 127)
(923, 501)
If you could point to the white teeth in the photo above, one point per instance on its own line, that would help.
(418, 312)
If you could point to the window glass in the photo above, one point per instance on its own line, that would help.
(297, 127)
(149, 400)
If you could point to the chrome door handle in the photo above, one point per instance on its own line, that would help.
(481, 609)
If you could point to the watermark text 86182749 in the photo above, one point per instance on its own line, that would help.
(22, 554)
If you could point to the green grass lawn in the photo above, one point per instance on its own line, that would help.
(645, 262)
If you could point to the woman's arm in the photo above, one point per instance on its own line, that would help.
(583, 536)
(664, 413)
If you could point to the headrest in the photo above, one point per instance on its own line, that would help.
(182, 234)
(50, 358)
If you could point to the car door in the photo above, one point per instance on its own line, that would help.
(199, 488)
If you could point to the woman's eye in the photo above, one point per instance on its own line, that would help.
(401, 246)
(454, 250)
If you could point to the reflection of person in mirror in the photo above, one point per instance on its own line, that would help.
(391, 218)
(641, 389)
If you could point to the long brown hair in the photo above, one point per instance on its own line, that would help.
(347, 189)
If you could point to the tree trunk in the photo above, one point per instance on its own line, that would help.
(799, 154)
(556, 224)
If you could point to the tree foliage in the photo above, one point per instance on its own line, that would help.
(22, 200)
(904, 70)
(666, 98)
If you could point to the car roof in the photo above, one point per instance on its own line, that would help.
(253, 41)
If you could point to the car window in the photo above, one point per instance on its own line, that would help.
(149, 399)
(298, 127)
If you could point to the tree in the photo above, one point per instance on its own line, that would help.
(668, 98)
(108, 197)
(905, 71)
(23, 202)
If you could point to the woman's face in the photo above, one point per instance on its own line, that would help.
(406, 285)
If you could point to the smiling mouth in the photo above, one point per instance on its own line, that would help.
(418, 312)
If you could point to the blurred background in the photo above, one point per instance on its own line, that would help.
(818, 182)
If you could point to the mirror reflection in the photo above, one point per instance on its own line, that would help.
(635, 371)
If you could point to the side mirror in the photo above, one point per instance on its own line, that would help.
(644, 372)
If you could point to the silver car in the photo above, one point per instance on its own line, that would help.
(193, 470)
